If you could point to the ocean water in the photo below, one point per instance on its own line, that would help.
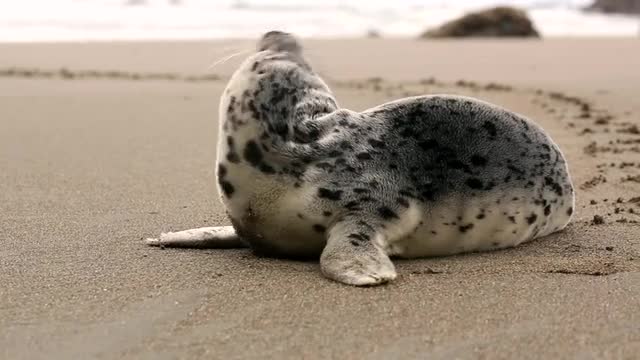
(68, 20)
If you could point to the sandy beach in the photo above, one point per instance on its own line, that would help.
(104, 144)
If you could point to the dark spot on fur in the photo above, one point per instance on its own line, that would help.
(227, 188)
(428, 194)
(252, 153)
(474, 183)
(512, 219)
(364, 223)
(403, 202)
(515, 170)
(387, 213)
(458, 165)
(222, 171)
(376, 143)
(547, 210)
(359, 236)
(330, 194)
(352, 206)
(266, 169)
(345, 145)
(319, 228)
(327, 213)
(465, 228)
(478, 160)
(554, 185)
(480, 216)
(570, 211)
(490, 128)
(363, 156)
(324, 165)
(532, 218)
(233, 157)
(490, 186)
(428, 144)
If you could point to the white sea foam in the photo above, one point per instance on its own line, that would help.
(61, 20)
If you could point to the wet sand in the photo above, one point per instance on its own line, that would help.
(103, 144)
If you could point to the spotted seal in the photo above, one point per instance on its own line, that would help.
(422, 176)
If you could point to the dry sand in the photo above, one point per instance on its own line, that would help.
(92, 162)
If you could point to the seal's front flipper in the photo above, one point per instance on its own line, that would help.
(217, 237)
(354, 256)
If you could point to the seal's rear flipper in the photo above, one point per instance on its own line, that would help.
(217, 237)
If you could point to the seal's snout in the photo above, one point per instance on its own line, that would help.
(279, 41)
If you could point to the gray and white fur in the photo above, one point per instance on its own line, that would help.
(431, 175)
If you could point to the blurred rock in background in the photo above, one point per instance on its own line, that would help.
(616, 6)
(494, 22)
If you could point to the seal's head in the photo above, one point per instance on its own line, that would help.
(279, 41)
(274, 92)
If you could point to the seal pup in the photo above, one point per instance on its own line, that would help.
(433, 175)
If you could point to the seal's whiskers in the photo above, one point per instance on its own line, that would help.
(227, 58)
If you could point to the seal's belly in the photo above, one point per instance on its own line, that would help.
(498, 221)
(280, 221)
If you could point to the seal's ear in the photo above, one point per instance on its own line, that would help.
(279, 41)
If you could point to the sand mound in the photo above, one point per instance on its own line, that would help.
(494, 22)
